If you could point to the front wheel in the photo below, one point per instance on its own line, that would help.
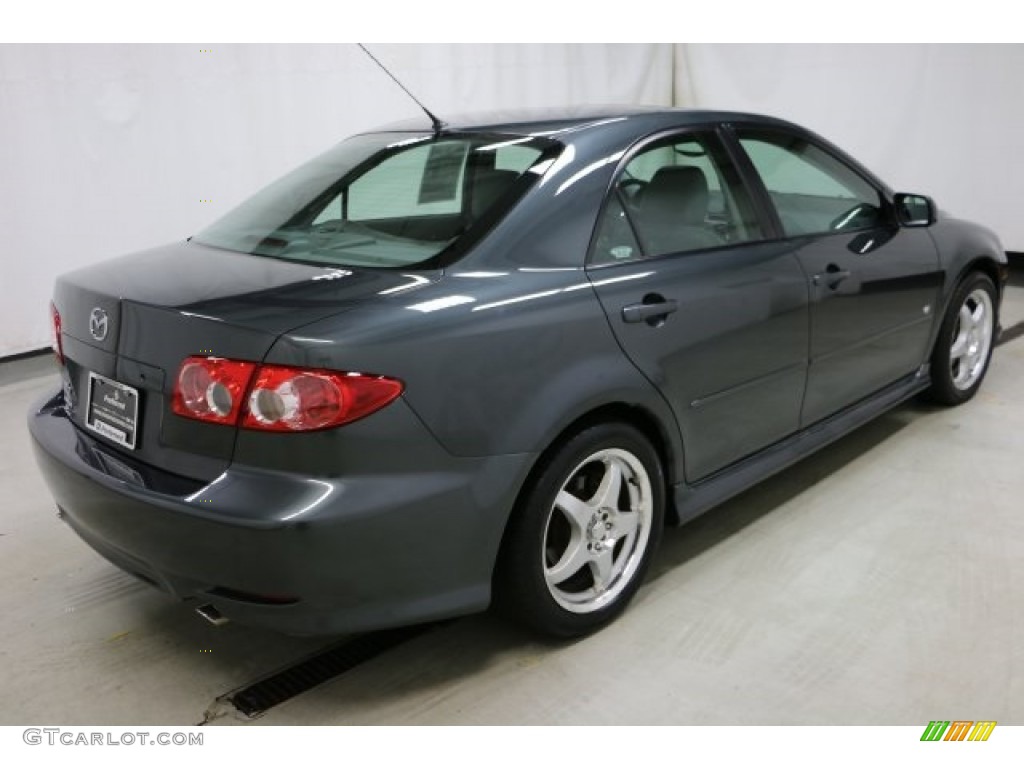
(581, 538)
(964, 346)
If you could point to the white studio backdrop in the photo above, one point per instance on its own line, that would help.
(109, 149)
(942, 120)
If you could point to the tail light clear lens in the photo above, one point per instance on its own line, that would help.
(55, 338)
(211, 389)
(277, 398)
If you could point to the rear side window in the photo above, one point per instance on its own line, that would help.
(678, 195)
(383, 200)
(812, 191)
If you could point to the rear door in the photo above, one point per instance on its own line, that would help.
(711, 312)
(873, 285)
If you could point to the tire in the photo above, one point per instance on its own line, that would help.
(576, 549)
(964, 345)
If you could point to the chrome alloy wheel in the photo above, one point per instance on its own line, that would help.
(597, 530)
(972, 339)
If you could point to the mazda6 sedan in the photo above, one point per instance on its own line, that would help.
(433, 368)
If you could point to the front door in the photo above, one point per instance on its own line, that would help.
(873, 285)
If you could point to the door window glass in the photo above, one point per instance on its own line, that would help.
(812, 191)
(678, 195)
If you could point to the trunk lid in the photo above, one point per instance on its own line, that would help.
(133, 320)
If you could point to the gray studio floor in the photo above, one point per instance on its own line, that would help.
(879, 582)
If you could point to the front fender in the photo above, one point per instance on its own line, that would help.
(963, 247)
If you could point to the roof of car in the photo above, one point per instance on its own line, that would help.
(568, 118)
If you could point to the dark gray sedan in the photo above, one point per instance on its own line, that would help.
(432, 367)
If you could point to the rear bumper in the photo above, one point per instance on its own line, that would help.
(302, 555)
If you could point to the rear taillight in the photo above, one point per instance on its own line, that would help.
(211, 389)
(277, 398)
(55, 339)
(285, 399)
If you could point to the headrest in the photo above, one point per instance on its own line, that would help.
(679, 192)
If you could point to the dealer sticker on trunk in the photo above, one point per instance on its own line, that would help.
(112, 410)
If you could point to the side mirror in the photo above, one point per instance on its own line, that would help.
(914, 210)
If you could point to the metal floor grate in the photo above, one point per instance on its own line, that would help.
(256, 698)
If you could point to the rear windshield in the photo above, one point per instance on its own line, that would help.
(385, 200)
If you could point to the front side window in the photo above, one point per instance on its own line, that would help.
(677, 195)
(383, 200)
(812, 191)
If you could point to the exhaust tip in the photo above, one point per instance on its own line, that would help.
(212, 615)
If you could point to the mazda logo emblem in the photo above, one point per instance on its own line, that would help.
(98, 324)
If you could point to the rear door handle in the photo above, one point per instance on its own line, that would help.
(832, 276)
(653, 310)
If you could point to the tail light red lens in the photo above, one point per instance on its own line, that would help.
(55, 338)
(277, 398)
(285, 399)
(211, 389)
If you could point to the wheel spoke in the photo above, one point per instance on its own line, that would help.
(959, 346)
(577, 510)
(625, 524)
(978, 315)
(966, 319)
(575, 557)
(962, 374)
(607, 494)
(601, 567)
(972, 362)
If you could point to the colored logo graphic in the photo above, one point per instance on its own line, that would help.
(958, 730)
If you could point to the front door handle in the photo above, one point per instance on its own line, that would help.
(652, 310)
(832, 276)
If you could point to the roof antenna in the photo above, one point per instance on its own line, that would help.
(438, 125)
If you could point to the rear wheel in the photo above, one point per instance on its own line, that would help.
(583, 534)
(964, 346)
